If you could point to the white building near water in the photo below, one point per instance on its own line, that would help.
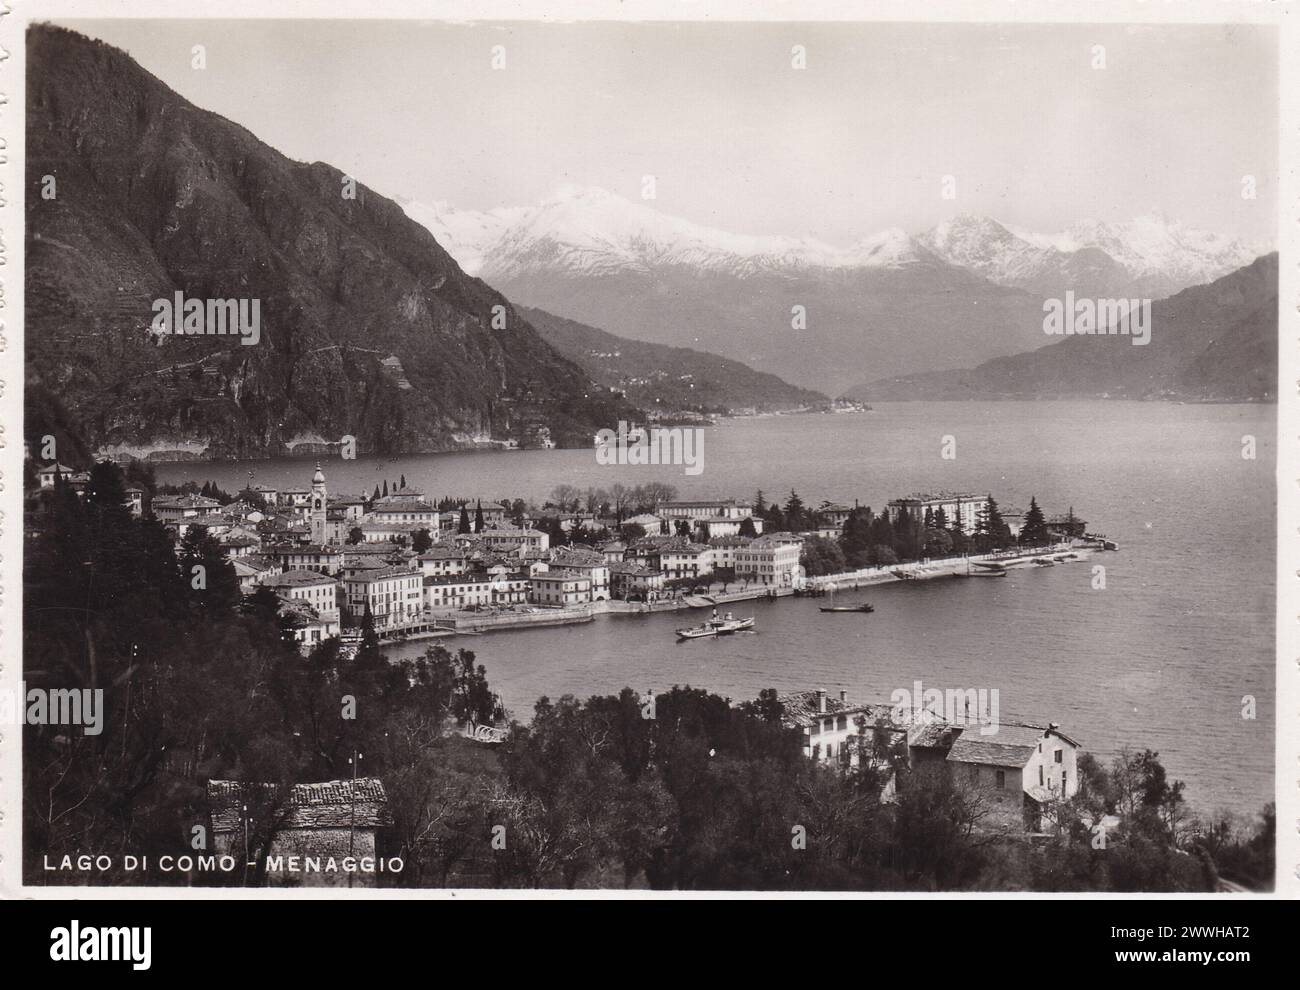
(955, 505)
(771, 559)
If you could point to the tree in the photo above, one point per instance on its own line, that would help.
(747, 527)
(553, 528)
(402, 483)
(368, 652)
(565, 497)
(999, 533)
(855, 539)
(421, 540)
(1034, 530)
(518, 511)
(760, 506)
(212, 581)
(478, 516)
(821, 555)
(355, 535)
(463, 526)
(385, 488)
(796, 515)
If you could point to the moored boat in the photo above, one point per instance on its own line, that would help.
(861, 607)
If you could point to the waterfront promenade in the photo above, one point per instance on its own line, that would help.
(473, 623)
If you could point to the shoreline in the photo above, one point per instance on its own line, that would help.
(475, 624)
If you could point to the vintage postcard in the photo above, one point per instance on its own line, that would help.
(648, 450)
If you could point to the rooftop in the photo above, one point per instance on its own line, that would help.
(561, 575)
(1011, 746)
(935, 497)
(297, 579)
(327, 804)
(381, 574)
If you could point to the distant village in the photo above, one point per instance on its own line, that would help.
(419, 568)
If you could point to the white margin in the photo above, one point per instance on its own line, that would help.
(15, 15)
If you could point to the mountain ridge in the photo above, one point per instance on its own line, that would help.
(670, 379)
(1215, 342)
(370, 328)
(968, 290)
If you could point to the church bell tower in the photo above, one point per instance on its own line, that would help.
(319, 501)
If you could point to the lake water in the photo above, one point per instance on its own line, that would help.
(1161, 658)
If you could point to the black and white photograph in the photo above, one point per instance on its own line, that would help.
(641, 457)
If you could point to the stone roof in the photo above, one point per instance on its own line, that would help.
(632, 569)
(801, 709)
(185, 502)
(668, 544)
(445, 553)
(297, 579)
(327, 804)
(402, 505)
(1011, 746)
(578, 557)
(935, 735)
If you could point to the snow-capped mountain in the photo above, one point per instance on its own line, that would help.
(587, 230)
(1149, 256)
(965, 291)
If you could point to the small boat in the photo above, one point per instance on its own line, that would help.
(985, 574)
(862, 607)
(717, 627)
(1043, 562)
(698, 632)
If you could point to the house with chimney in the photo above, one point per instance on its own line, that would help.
(1021, 770)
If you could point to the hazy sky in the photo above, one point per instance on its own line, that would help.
(738, 139)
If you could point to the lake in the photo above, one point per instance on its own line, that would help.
(1161, 658)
